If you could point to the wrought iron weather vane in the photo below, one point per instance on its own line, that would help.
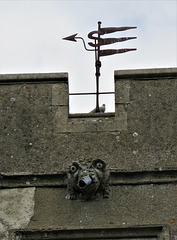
(98, 42)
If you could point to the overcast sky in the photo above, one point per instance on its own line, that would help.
(31, 35)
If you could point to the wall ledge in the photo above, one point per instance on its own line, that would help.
(19, 180)
(33, 78)
(145, 74)
(91, 115)
(119, 232)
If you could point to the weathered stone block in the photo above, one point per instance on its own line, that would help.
(122, 89)
(128, 205)
(60, 94)
(16, 209)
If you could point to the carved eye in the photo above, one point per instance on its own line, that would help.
(73, 168)
(99, 165)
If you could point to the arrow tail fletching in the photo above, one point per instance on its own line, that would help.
(107, 41)
(114, 40)
(125, 39)
(114, 29)
(114, 51)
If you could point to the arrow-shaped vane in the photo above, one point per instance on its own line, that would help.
(98, 41)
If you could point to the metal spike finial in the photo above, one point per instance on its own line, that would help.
(98, 42)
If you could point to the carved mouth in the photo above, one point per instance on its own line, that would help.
(84, 182)
(88, 181)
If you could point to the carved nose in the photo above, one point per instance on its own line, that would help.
(85, 181)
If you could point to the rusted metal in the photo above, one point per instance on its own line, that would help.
(98, 42)
(114, 51)
(114, 29)
(106, 41)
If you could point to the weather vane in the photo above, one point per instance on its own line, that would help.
(98, 42)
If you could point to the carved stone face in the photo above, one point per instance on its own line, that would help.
(87, 178)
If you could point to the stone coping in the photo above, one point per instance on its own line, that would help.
(63, 77)
(145, 74)
(33, 78)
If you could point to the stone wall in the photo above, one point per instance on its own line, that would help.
(39, 139)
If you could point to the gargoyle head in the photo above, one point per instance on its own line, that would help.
(87, 179)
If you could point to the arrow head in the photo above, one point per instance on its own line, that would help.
(71, 38)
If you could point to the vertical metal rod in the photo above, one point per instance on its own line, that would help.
(97, 80)
(97, 94)
(98, 65)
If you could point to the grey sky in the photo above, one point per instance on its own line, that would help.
(31, 35)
